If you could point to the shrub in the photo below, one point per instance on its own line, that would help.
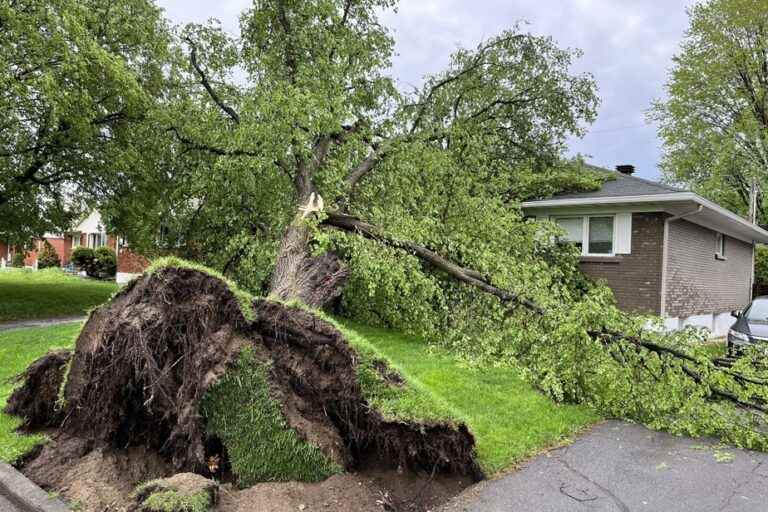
(48, 257)
(761, 270)
(83, 257)
(18, 260)
(105, 261)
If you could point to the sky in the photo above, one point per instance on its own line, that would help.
(628, 47)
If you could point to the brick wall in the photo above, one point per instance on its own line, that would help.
(635, 278)
(697, 282)
(63, 247)
(130, 262)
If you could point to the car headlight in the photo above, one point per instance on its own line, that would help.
(738, 335)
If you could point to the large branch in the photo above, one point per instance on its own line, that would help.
(352, 224)
(471, 277)
(207, 85)
(214, 150)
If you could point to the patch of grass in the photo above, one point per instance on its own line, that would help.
(714, 349)
(244, 298)
(48, 293)
(261, 445)
(509, 419)
(163, 499)
(19, 348)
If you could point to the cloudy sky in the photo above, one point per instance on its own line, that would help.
(627, 44)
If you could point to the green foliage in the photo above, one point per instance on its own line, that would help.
(100, 262)
(262, 447)
(244, 299)
(49, 293)
(78, 78)
(18, 259)
(162, 499)
(713, 121)
(18, 349)
(105, 260)
(761, 270)
(48, 257)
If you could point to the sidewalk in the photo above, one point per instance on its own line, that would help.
(43, 322)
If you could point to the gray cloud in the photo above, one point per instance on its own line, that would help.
(628, 46)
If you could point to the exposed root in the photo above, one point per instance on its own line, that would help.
(35, 400)
(143, 363)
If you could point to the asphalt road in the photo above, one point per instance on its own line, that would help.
(622, 467)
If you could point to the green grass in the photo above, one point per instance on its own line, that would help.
(261, 445)
(27, 294)
(509, 419)
(18, 348)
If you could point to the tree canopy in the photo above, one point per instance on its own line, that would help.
(75, 77)
(714, 122)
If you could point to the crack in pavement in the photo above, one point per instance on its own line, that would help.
(619, 503)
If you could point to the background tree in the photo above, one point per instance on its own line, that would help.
(714, 123)
(76, 77)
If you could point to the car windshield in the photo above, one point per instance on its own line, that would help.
(758, 311)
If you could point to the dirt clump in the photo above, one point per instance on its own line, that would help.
(97, 479)
(35, 400)
(180, 493)
(367, 491)
(143, 362)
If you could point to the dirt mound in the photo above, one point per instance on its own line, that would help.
(315, 369)
(35, 400)
(98, 480)
(143, 363)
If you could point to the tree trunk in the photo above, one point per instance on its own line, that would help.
(314, 280)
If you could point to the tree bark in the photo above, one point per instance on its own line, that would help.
(314, 280)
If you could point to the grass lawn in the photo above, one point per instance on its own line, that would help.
(48, 293)
(18, 348)
(510, 420)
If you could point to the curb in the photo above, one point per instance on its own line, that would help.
(24, 495)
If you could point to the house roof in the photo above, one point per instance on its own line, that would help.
(619, 185)
(645, 195)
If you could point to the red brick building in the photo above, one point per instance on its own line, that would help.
(89, 233)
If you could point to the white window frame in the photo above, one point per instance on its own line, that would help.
(585, 233)
(720, 246)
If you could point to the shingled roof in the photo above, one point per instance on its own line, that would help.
(619, 185)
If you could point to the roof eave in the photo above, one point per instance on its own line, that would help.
(759, 234)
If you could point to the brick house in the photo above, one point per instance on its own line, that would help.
(664, 251)
(89, 233)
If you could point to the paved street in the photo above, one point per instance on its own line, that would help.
(623, 467)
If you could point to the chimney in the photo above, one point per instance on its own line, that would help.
(626, 169)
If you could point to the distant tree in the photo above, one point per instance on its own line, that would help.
(714, 122)
(48, 257)
(76, 77)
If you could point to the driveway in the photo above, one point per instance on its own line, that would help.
(623, 467)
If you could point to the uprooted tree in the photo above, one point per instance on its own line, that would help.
(318, 181)
(319, 175)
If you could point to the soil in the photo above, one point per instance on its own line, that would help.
(35, 400)
(143, 362)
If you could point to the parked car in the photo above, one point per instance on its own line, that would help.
(751, 325)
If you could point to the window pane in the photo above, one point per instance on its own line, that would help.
(573, 228)
(601, 235)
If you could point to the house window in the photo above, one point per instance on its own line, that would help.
(574, 230)
(720, 246)
(593, 235)
(600, 235)
(97, 240)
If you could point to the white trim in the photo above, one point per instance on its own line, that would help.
(585, 233)
(672, 197)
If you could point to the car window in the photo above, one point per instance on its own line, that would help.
(758, 311)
